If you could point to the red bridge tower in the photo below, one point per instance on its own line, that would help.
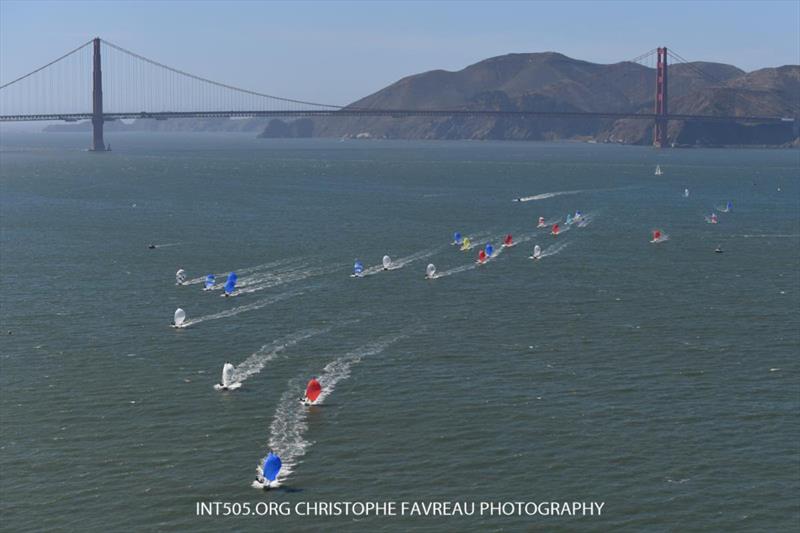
(660, 130)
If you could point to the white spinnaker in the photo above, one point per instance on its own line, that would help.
(430, 271)
(180, 317)
(227, 375)
(387, 262)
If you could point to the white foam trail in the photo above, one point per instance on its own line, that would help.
(167, 245)
(242, 308)
(288, 278)
(553, 249)
(243, 271)
(258, 359)
(456, 270)
(403, 261)
(664, 237)
(774, 236)
(288, 428)
(546, 195)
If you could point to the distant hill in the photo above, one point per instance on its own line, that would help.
(549, 81)
(553, 81)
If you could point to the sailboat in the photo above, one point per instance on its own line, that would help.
(554, 230)
(430, 271)
(313, 390)
(211, 279)
(466, 245)
(508, 242)
(387, 262)
(541, 223)
(358, 270)
(230, 284)
(268, 473)
(179, 318)
(456, 239)
(227, 382)
(180, 277)
(658, 171)
(537, 252)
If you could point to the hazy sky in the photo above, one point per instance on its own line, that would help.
(336, 52)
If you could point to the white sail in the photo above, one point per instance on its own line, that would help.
(686, 193)
(180, 317)
(387, 262)
(659, 172)
(227, 375)
(537, 252)
(430, 271)
(180, 276)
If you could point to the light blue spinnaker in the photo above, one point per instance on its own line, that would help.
(211, 279)
(358, 268)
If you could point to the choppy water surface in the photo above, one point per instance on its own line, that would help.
(659, 378)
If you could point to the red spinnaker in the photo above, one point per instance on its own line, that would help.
(482, 256)
(555, 229)
(508, 240)
(313, 389)
(656, 235)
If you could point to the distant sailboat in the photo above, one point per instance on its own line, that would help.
(555, 230)
(211, 279)
(179, 318)
(537, 252)
(508, 242)
(658, 171)
(489, 251)
(387, 262)
(230, 284)
(358, 269)
(180, 277)
(466, 244)
(430, 271)
(481, 257)
(541, 223)
(686, 193)
(457, 239)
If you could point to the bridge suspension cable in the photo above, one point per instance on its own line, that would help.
(217, 84)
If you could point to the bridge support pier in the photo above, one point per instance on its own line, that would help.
(660, 131)
(98, 144)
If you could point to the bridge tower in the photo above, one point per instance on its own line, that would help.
(660, 130)
(98, 145)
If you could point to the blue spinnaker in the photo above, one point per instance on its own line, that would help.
(210, 280)
(272, 465)
(457, 238)
(489, 250)
(729, 207)
(233, 276)
(358, 268)
(230, 285)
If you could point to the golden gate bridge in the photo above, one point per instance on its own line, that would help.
(101, 81)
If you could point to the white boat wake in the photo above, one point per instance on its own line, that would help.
(289, 277)
(242, 308)
(288, 428)
(258, 359)
(403, 261)
(553, 249)
(243, 271)
(546, 195)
